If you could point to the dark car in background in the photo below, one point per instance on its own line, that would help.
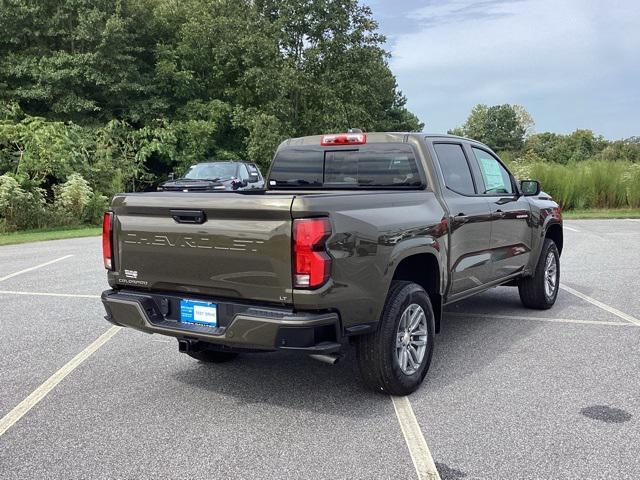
(213, 176)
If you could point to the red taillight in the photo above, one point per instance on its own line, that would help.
(343, 139)
(311, 262)
(107, 250)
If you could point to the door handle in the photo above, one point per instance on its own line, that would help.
(499, 213)
(189, 216)
(461, 217)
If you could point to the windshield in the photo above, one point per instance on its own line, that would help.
(385, 165)
(211, 171)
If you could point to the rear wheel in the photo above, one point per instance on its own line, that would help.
(212, 356)
(541, 290)
(395, 358)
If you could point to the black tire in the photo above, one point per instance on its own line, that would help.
(212, 356)
(376, 353)
(533, 293)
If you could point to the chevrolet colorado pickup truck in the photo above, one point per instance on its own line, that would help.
(358, 238)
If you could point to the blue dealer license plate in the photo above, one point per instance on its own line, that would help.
(201, 313)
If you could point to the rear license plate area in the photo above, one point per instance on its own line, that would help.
(199, 312)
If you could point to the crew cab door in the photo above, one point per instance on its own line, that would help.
(469, 220)
(510, 214)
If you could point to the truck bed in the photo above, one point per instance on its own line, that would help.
(242, 248)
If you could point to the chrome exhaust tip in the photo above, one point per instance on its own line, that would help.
(330, 359)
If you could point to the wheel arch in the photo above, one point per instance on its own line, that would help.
(554, 232)
(424, 269)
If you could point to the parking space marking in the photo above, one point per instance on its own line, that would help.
(572, 229)
(418, 449)
(601, 305)
(47, 294)
(536, 319)
(43, 390)
(11, 275)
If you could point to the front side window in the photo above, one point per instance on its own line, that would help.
(242, 172)
(497, 180)
(457, 176)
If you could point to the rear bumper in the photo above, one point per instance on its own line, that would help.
(241, 326)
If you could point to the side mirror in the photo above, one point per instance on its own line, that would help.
(530, 188)
(253, 177)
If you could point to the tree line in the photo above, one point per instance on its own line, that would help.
(103, 96)
(123, 92)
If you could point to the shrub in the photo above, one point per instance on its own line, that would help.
(73, 196)
(95, 208)
(12, 199)
(19, 208)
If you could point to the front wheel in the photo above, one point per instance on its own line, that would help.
(541, 290)
(396, 358)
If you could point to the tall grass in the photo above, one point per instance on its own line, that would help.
(588, 184)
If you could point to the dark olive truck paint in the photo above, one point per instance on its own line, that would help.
(240, 257)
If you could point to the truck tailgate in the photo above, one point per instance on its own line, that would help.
(241, 250)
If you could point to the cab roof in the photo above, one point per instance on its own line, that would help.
(379, 137)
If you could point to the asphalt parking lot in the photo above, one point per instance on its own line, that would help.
(511, 394)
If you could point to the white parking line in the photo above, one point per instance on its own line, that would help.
(11, 275)
(418, 449)
(47, 294)
(601, 305)
(569, 228)
(632, 219)
(536, 319)
(43, 390)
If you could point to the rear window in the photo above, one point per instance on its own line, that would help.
(376, 165)
(457, 175)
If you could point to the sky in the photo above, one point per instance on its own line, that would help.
(571, 63)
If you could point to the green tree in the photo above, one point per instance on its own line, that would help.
(501, 127)
(334, 68)
(44, 151)
(576, 147)
(77, 60)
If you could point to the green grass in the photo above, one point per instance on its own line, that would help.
(601, 213)
(48, 234)
(592, 184)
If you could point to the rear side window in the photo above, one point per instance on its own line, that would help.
(376, 165)
(457, 175)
